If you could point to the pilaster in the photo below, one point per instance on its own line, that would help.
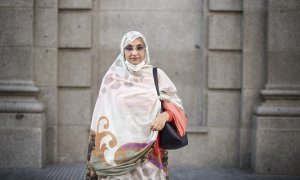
(276, 127)
(22, 120)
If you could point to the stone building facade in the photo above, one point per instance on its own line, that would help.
(236, 64)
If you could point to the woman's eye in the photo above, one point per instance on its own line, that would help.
(139, 48)
(129, 48)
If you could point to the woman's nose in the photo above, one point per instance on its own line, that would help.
(134, 52)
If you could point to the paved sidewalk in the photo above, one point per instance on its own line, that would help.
(77, 172)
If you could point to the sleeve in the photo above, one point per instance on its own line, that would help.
(167, 89)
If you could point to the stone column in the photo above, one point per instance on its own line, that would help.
(22, 121)
(276, 129)
(253, 74)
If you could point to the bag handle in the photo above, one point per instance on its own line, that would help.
(156, 80)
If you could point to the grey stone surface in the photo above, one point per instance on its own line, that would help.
(48, 96)
(16, 26)
(17, 3)
(74, 30)
(75, 4)
(245, 152)
(223, 109)
(276, 145)
(45, 27)
(286, 35)
(250, 98)
(52, 144)
(254, 70)
(177, 5)
(254, 42)
(74, 106)
(23, 136)
(46, 3)
(225, 5)
(253, 74)
(16, 63)
(217, 149)
(283, 47)
(225, 31)
(279, 63)
(168, 26)
(224, 70)
(74, 68)
(72, 143)
(45, 66)
(254, 25)
(284, 4)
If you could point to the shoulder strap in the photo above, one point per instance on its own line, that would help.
(156, 80)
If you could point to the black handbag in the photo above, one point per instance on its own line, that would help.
(169, 139)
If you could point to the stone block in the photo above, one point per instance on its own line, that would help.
(224, 70)
(225, 5)
(283, 47)
(284, 5)
(254, 5)
(75, 4)
(168, 26)
(218, 148)
(74, 30)
(253, 69)
(46, 3)
(154, 5)
(74, 106)
(245, 155)
(225, 31)
(223, 109)
(52, 144)
(74, 68)
(45, 66)
(73, 143)
(17, 3)
(250, 98)
(198, 144)
(48, 96)
(284, 68)
(24, 138)
(16, 26)
(45, 27)
(254, 25)
(254, 42)
(286, 35)
(276, 145)
(16, 63)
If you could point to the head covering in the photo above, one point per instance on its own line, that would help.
(131, 36)
(126, 106)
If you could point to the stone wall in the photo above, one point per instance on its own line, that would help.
(22, 119)
(276, 128)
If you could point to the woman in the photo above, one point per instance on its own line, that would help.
(127, 117)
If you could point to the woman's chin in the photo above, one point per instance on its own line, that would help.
(135, 62)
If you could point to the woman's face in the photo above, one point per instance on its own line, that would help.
(135, 51)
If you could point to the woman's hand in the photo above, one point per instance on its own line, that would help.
(159, 122)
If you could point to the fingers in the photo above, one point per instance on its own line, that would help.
(157, 125)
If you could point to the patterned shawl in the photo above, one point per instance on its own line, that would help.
(126, 106)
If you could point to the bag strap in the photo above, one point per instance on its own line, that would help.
(156, 80)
